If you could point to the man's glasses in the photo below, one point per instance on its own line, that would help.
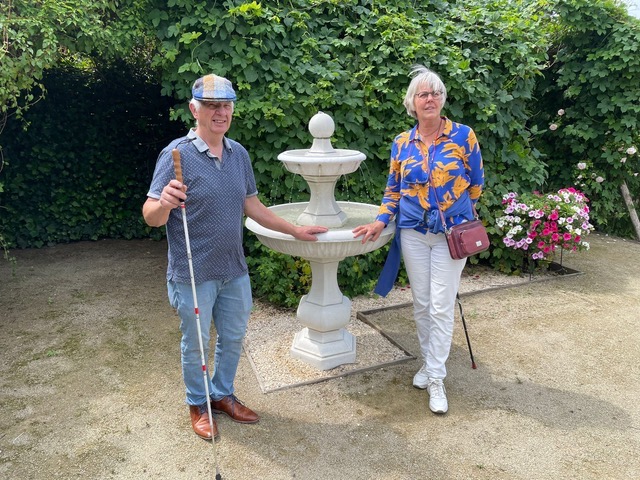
(425, 95)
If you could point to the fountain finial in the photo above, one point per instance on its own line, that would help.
(321, 127)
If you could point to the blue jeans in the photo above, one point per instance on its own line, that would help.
(229, 304)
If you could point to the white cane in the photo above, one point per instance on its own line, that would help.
(178, 169)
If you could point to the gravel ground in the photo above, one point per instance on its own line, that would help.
(90, 382)
(271, 331)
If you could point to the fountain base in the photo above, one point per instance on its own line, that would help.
(324, 350)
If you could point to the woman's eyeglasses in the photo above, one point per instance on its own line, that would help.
(425, 95)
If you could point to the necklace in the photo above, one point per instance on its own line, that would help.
(426, 156)
(434, 132)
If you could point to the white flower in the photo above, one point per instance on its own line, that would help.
(631, 151)
(553, 127)
(599, 179)
(561, 112)
(623, 160)
(582, 166)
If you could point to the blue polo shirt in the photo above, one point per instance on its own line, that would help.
(216, 193)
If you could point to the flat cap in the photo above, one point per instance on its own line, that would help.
(213, 88)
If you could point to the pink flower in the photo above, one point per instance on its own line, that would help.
(554, 215)
(566, 236)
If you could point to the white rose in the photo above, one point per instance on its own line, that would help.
(582, 166)
(553, 127)
(599, 179)
(631, 151)
(561, 112)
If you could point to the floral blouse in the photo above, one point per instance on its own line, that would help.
(457, 169)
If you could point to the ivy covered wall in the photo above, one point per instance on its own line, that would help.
(81, 169)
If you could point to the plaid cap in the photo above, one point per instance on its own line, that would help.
(212, 88)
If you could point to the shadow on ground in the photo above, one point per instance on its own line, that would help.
(90, 383)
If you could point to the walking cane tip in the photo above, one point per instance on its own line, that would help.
(474, 366)
(218, 476)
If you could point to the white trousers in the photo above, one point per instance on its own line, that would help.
(435, 278)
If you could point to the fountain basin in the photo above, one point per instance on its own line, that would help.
(324, 311)
(336, 244)
(321, 164)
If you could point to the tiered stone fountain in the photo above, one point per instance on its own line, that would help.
(324, 312)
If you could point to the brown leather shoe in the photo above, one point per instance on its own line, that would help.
(235, 409)
(200, 422)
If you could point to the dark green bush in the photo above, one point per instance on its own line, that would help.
(81, 169)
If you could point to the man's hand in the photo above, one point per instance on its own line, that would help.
(308, 233)
(156, 210)
(173, 195)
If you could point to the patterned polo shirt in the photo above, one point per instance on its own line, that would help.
(216, 194)
(457, 170)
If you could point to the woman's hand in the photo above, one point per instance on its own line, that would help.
(370, 232)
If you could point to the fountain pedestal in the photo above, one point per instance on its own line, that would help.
(324, 312)
(324, 343)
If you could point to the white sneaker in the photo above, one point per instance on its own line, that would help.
(421, 379)
(437, 396)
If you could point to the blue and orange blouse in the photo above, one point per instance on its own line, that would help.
(455, 162)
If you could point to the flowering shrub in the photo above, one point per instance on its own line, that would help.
(538, 224)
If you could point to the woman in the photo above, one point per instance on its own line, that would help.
(436, 164)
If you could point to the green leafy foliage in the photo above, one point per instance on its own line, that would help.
(588, 111)
(351, 59)
(82, 169)
(40, 35)
(36, 35)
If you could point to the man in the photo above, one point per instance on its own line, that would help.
(219, 188)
